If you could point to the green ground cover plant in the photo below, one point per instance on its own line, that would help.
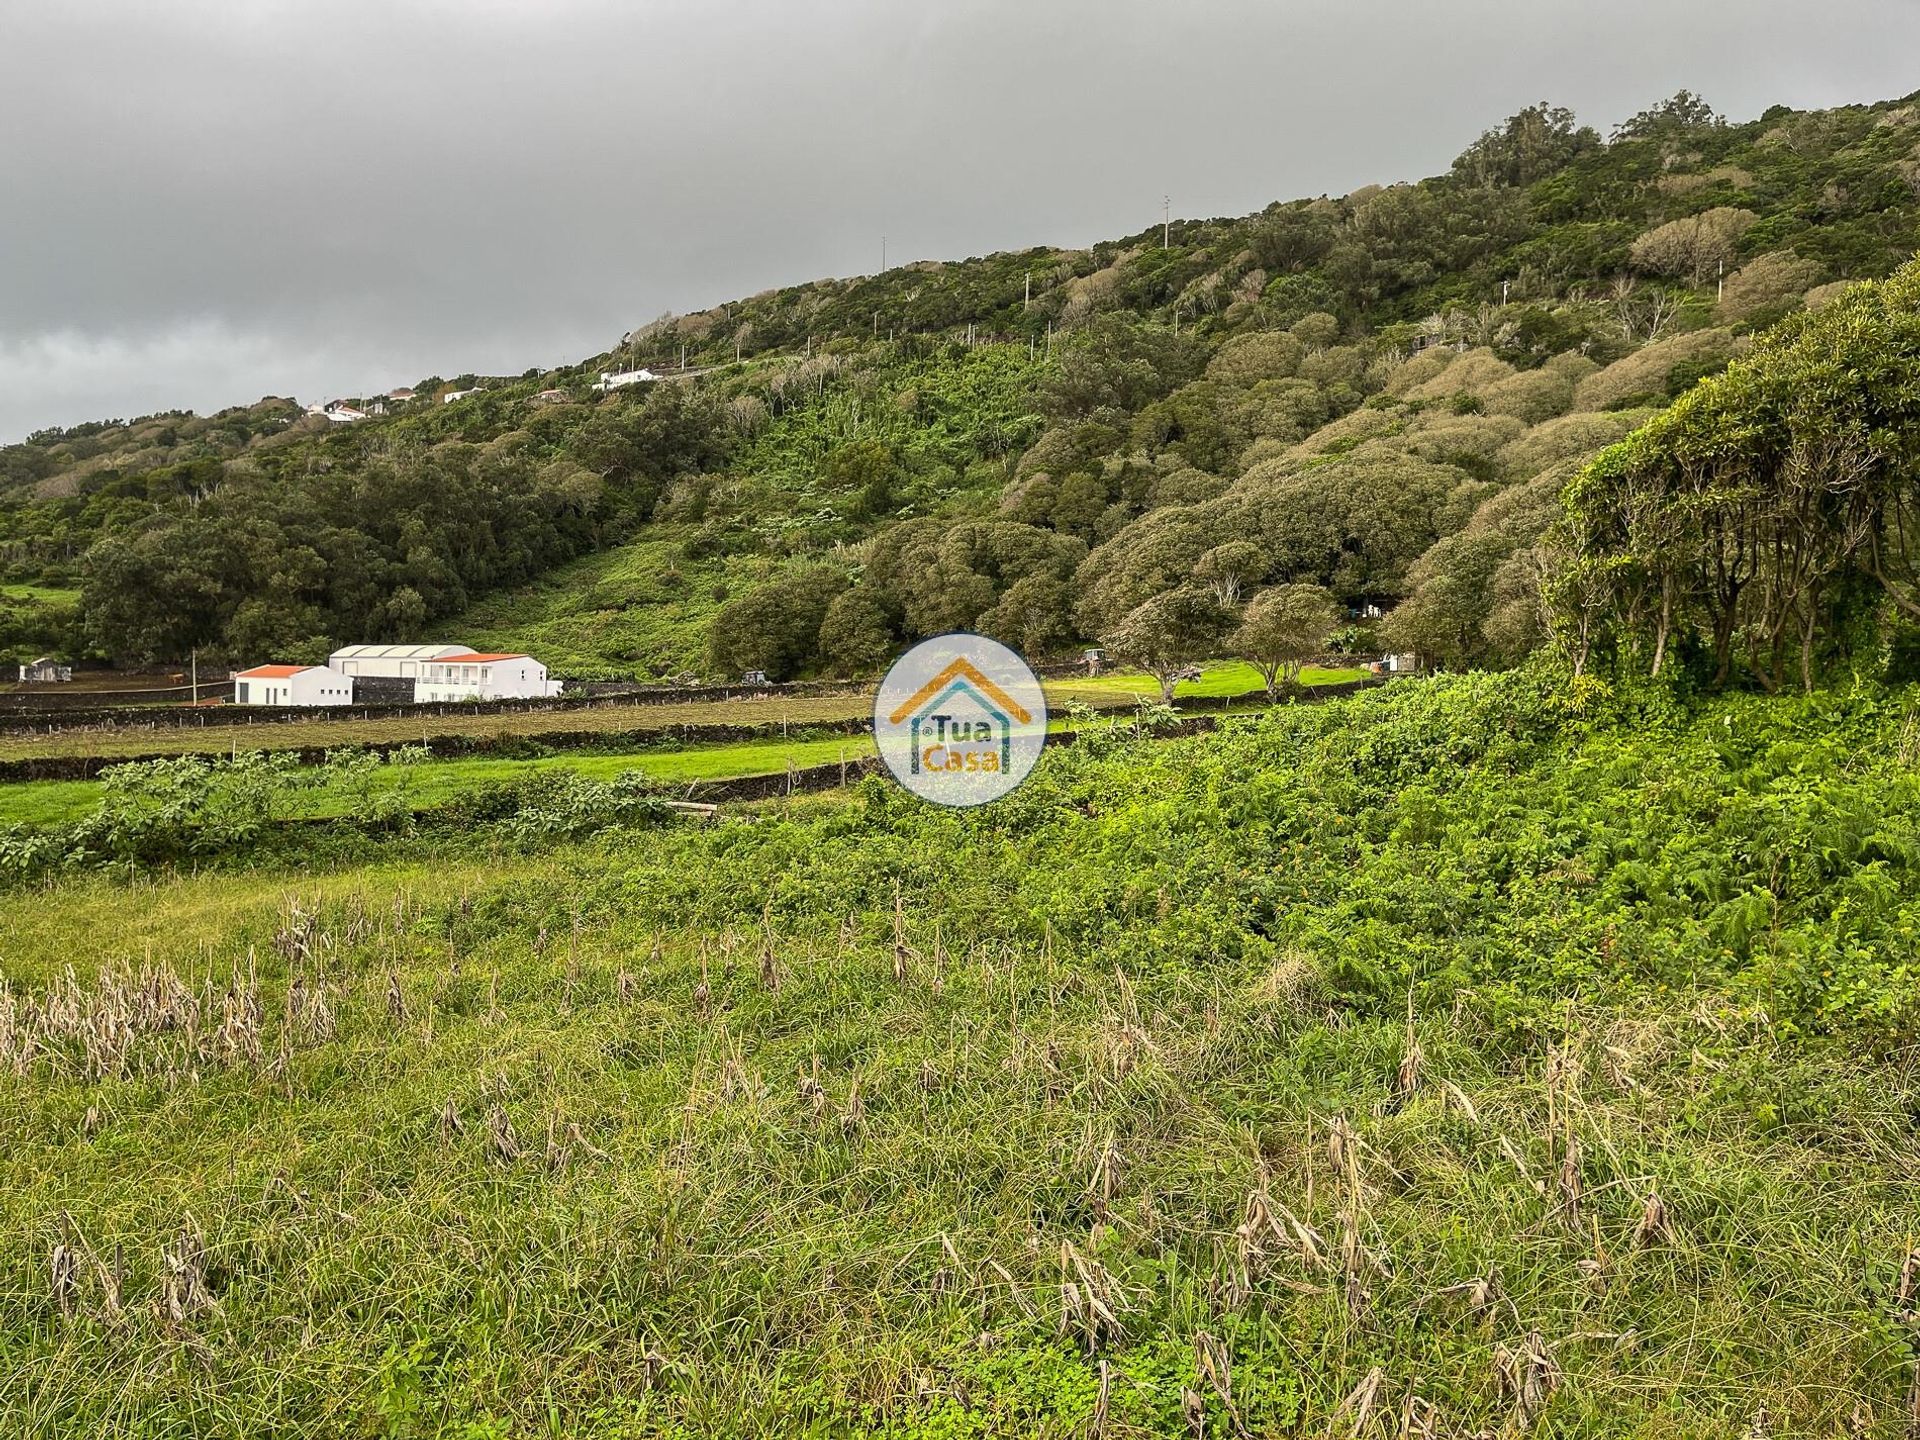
(1458, 1057)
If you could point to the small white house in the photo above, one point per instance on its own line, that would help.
(472, 676)
(615, 379)
(453, 395)
(341, 413)
(292, 685)
(45, 671)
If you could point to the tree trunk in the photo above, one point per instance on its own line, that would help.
(1722, 646)
(1666, 624)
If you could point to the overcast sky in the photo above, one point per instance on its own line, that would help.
(206, 201)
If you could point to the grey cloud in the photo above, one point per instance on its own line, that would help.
(203, 202)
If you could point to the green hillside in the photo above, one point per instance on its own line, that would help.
(1381, 392)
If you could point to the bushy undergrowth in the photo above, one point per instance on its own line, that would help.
(1463, 834)
(197, 810)
(1445, 1060)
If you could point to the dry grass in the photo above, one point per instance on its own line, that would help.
(471, 1144)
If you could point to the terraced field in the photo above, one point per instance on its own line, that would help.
(157, 738)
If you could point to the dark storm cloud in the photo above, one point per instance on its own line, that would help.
(203, 202)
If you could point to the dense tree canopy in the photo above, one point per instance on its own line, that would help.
(1768, 508)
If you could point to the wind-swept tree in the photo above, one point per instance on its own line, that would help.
(1285, 626)
(1766, 505)
(1169, 634)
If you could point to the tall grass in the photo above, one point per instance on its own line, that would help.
(1106, 1111)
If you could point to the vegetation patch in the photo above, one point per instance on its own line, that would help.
(1434, 1051)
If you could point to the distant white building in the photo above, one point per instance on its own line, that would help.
(614, 379)
(383, 674)
(453, 395)
(292, 685)
(472, 676)
(45, 671)
(344, 414)
(442, 671)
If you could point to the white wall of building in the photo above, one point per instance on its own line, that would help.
(484, 677)
(400, 662)
(315, 685)
(438, 672)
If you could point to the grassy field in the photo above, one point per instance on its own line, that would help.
(58, 802)
(641, 610)
(1219, 679)
(1229, 678)
(42, 803)
(40, 594)
(160, 739)
(1418, 1055)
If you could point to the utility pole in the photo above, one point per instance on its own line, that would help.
(1166, 221)
(1720, 286)
(1027, 300)
(883, 254)
(1503, 290)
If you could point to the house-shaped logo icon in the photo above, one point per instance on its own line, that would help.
(925, 712)
(960, 719)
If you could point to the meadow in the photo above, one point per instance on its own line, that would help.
(40, 594)
(1444, 1060)
(644, 605)
(424, 785)
(156, 737)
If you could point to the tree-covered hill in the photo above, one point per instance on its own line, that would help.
(1378, 394)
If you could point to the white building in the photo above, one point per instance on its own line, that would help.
(453, 395)
(470, 676)
(292, 685)
(343, 414)
(398, 662)
(613, 380)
